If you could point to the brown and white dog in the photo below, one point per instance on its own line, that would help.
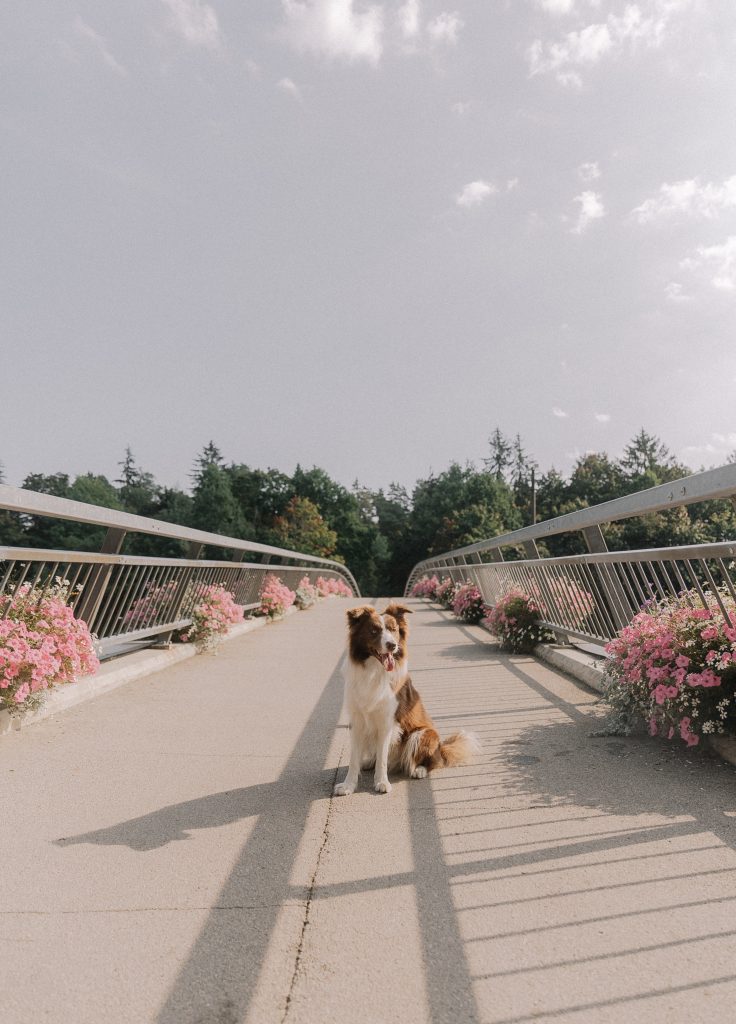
(389, 727)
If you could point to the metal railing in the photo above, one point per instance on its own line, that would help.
(591, 596)
(126, 599)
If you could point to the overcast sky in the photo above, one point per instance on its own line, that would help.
(363, 235)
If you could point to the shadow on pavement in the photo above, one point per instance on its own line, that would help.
(216, 982)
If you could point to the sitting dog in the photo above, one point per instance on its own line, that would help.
(389, 727)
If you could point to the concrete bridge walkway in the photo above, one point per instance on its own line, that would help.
(171, 853)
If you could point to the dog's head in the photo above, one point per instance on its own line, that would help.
(371, 635)
(398, 613)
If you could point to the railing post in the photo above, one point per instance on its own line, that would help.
(612, 588)
(98, 579)
(530, 549)
(594, 539)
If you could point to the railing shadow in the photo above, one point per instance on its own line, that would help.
(217, 980)
(596, 857)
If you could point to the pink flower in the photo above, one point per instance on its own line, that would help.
(686, 734)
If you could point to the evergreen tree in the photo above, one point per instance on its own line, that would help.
(209, 456)
(138, 490)
(501, 456)
(647, 462)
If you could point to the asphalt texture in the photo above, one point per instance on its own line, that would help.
(171, 853)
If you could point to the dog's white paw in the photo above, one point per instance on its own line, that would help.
(420, 772)
(342, 789)
(382, 787)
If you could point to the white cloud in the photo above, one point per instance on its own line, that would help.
(460, 108)
(688, 197)
(587, 46)
(717, 450)
(475, 192)
(511, 184)
(334, 28)
(86, 32)
(557, 6)
(408, 15)
(673, 291)
(195, 21)
(559, 413)
(603, 417)
(589, 172)
(577, 48)
(290, 88)
(591, 208)
(445, 28)
(717, 261)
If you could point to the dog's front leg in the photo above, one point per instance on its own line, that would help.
(380, 778)
(347, 786)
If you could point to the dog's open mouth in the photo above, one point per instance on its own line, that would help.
(388, 661)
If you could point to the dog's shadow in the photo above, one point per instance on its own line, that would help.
(177, 821)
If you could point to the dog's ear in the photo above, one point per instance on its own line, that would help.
(356, 614)
(399, 611)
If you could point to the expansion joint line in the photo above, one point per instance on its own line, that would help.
(310, 892)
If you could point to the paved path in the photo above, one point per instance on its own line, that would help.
(170, 853)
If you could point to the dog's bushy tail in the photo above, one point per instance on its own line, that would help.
(459, 748)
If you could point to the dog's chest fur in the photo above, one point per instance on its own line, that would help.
(370, 689)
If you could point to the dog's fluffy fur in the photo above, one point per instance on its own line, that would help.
(389, 726)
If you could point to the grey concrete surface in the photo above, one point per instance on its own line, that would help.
(171, 852)
(114, 673)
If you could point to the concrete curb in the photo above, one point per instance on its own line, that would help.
(586, 668)
(116, 673)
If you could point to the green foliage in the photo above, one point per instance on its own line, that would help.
(302, 528)
(42, 532)
(261, 495)
(138, 492)
(379, 534)
(214, 507)
(458, 507)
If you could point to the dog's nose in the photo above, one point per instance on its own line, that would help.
(392, 645)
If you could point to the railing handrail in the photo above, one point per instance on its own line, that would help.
(25, 502)
(709, 485)
(101, 558)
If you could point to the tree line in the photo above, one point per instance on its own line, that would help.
(379, 534)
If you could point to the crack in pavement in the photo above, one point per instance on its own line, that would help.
(310, 892)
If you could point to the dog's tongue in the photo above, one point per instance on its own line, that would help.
(388, 662)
